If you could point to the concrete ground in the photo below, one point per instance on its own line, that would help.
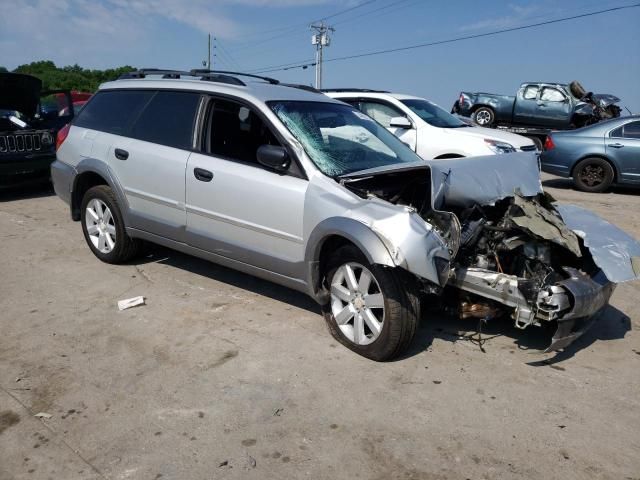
(223, 376)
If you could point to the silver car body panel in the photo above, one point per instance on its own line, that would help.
(614, 251)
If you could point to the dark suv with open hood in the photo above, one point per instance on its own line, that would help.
(29, 121)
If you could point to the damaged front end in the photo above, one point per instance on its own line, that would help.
(511, 249)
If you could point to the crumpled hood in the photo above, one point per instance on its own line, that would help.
(464, 182)
(20, 92)
(605, 99)
(481, 133)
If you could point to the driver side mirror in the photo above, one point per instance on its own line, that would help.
(274, 157)
(400, 122)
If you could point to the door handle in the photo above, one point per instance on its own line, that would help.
(121, 154)
(202, 174)
(615, 145)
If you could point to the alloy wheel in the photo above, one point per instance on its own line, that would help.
(592, 175)
(483, 117)
(101, 226)
(357, 303)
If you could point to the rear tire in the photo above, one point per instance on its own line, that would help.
(103, 226)
(484, 117)
(593, 175)
(373, 310)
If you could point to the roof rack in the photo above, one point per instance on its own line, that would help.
(307, 88)
(143, 72)
(363, 90)
(197, 72)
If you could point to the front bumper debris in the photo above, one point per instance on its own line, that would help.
(572, 302)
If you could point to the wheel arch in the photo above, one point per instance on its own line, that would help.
(333, 233)
(90, 173)
(596, 155)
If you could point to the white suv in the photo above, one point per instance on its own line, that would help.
(429, 130)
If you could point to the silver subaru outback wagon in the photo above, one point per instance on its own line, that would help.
(282, 182)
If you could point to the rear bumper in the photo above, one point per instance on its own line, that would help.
(63, 176)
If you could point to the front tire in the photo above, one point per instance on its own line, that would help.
(593, 175)
(484, 117)
(103, 226)
(373, 310)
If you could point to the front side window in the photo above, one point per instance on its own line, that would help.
(339, 139)
(112, 111)
(168, 119)
(551, 95)
(380, 112)
(236, 132)
(530, 92)
(433, 114)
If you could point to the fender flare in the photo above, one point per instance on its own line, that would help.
(93, 165)
(365, 239)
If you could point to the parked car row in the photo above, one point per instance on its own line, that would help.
(308, 191)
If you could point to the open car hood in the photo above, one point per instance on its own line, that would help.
(605, 99)
(20, 92)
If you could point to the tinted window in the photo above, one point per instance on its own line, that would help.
(616, 133)
(113, 111)
(530, 92)
(236, 132)
(381, 113)
(168, 119)
(632, 130)
(551, 95)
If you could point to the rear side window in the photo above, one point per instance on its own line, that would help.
(530, 92)
(112, 111)
(168, 119)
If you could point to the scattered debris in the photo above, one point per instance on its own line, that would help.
(130, 302)
(278, 412)
(251, 461)
(437, 382)
(224, 464)
(43, 415)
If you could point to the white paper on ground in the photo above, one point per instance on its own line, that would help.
(130, 302)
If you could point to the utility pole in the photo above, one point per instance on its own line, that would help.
(208, 63)
(320, 39)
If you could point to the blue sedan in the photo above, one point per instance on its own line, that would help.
(596, 156)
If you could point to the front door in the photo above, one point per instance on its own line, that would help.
(237, 208)
(623, 145)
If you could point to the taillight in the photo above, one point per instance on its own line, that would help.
(62, 135)
(548, 143)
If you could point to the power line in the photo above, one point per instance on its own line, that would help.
(457, 39)
(285, 31)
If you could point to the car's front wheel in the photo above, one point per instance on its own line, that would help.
(372, 310)
(593, 175)
(103, 226)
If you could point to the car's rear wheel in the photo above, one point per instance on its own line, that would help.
(593, 175)
(484, 117)
(373, 310)
(103, 226)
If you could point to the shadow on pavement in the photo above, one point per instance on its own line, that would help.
(567, 184)
(158, 254)
(33, 190)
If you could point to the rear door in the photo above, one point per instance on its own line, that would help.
(146, 137)
(237, 208)
(623, 145)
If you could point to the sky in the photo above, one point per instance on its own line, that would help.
(602, 52)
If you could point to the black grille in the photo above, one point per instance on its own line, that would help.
(528, 148)
(24, 142)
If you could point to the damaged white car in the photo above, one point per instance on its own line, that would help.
(292, 186)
